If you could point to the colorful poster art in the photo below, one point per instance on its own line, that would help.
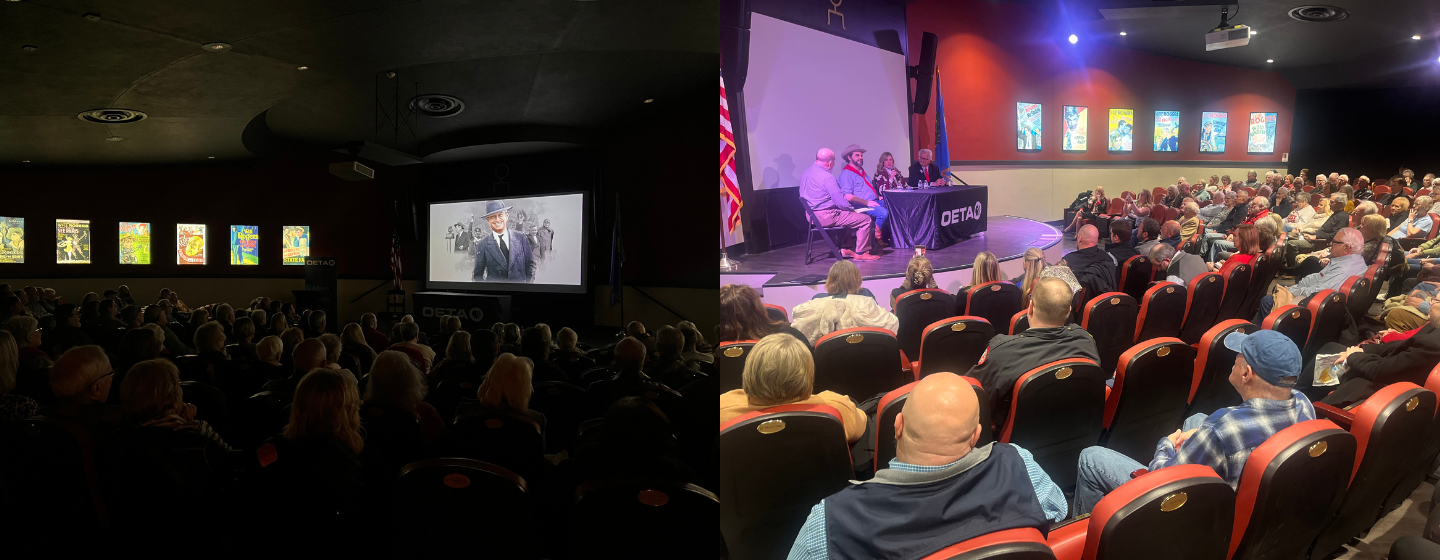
(1076, 124)
(1027, 120)
(1122, 127)
(245, 245)
(1167, 131)
(295, 244)
(1212, 132)
(189, 243)
(12, 240)
(72, 241)
(134, 243)
(1262, 133)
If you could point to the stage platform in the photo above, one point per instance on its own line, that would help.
(784, 279)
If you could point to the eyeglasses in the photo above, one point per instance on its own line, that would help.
(98, 379)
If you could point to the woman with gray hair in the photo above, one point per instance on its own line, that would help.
(395, 382)
(26, 331)
(780, 370)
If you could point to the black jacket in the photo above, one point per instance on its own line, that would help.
(1339, 219)
(1387, 363)
(1234, 218)
(1093, 269)
(1010, 356)
(917, 173)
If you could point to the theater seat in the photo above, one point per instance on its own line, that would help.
(643, 518)
(1389, 427)
(1261, 273)
(1375, 274)
(433, 513)
(1011, 544)
(509, 440)
(262, 415)
(1425, 460)
(1183, 511)
(1327, 321)
(1237, 286)
(1356, 290)
(1162, 311)
(51, 462)
(892, 402)
(994, 301)
(563, 405)
(1135, 275)
(730, 362)
(1291, 486)
(954, 344)
(1292, 321)
(1149, 396)
(775, 464)
(1211, 389)
(915, 310)
(1056, 410)
(1110, 320)
(859, 363)
(1202, 305)
(392, 440)
(1020, 322)
(776, 313)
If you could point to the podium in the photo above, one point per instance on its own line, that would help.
(321, 290)
(474, 310)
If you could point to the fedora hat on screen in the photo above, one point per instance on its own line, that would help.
(493, 207)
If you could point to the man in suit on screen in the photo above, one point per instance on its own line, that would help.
(501, 254)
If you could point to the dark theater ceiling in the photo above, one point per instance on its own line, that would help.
(533, 74)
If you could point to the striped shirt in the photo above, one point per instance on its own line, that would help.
(1226, 439)
(810, 544)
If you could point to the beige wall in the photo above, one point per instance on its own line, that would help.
(1042, 193)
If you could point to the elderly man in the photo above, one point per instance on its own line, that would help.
(857, 188)
(408, 335)
(630, 357)
(1190, 222)
(1221, 203)
(940, 488)
(81, 380)
(925, 173)
(308, 355)
(820, 191)
(1256, 209)
(1170, 234)
(1250, 180)
(1267, 367)
(1311, 242)
(1180, 267)
(1344, 261)
(373, 337)
(1300, 215)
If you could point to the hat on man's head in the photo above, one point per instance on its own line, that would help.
(1272, 355)
(845, 155)
(493, 207)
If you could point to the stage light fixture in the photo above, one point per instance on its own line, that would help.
(209, 157)
(1074, 39)
(1122, 33)
(1254, 32)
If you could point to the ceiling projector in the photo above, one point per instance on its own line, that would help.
(1227, 37)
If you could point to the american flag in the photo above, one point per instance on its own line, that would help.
(728, 186)
(395, 268)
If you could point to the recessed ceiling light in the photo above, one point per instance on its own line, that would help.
(1270, 60)
(215, 47)
(1074, 39)
(1254, 32)
(302, 67)
(649, 100)
(113, 138)
(1415, 37)
(209, 157)
(1122, 33)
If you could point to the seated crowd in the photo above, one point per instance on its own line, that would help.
(301, 420)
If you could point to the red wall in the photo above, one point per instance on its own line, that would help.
(993, 55)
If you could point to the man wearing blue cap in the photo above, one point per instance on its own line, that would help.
(1267, 365)
(500, 254)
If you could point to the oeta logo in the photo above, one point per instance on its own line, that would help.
(474, 313)
(961, 214)
(320, 262)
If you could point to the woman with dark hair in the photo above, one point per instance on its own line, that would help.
(89, 313)
(1247, 246)
(130, 315)
(743, 317)
(919, 274)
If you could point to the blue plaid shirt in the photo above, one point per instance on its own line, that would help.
(1224, 441)
(810, 544)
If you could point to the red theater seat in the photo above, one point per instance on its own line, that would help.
(890, 406)
(952, 345)
(1292, 485)
(1162, 311)
(1135, 275)
(1020, 322)
(1375, 276)
(1184, 511)
(775, 464)
(1249, 191)
(1110, 320)
(1378, 189)
(1237, 287)
(1211, 389)
(730, 362)
(1292, 321)
(1327, 320)
(995, 301)
(1012, 544)
(1158, 193)
(1311, 188)
(1425, 461)
(1389, 427)
(1315, 198)
(777, 313)
(1202, 305)
(1056, 411)
(915, 310)
(1356, 290)
(858, 363)
(1149, 397)
(642, 518)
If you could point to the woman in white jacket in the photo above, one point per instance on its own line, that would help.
(848, 305)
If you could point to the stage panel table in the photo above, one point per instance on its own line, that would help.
(936, 218)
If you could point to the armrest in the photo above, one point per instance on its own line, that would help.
(905, 363)
(1067, 541)
(1344, 418)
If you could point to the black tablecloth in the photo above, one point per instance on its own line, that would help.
(938, 217)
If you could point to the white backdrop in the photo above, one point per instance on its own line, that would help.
(806, 90)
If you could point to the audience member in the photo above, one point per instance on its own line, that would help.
(485, 346)
(243, 332)
(81, 379)
(395, 382)
(333, 348)
(1246, 247)
(850, 306)
(507, 387)
(919, 274)
(309, 355)
(1091, 265)
(630, 361)
(1119, 248)
(1344, 261)
(406, 341)
(1323, 235)
(225, 315)
(278, 324)
(844, 280)
(670, 366)
(26, 331)
(1256, 209)
(353, 342)
(1367, 368)
(320, 447)
(1190, 224)
(151, 396)
(1034, 265)
(780, 370)
(536, 346)
(315, 324)
(693, 340)
(67, 333)
(13, 407)
(1149, 236)
(210, 353)
(174, 345)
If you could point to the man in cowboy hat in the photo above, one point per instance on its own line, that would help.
(502, 255)
(858, 190)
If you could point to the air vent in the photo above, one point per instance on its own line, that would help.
(112, 116)
(1318, 14)
(436, 105)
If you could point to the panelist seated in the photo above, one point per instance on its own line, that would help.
(821, 193)
(948, 489)
(925, 173)
(1266, 368)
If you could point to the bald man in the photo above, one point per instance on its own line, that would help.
(81, 380)
(1051, 337)
(1091, 264)
(307, 355)
(821, 193)
(630, 356)
(940, 488)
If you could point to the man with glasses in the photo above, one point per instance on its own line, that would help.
(1343, 262)
(81, 380)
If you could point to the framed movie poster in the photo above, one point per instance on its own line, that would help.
(134, 243)
(1167, 131)
(1028, 127)
(1212, 132)
(72, 241)
(245, 245)
(1122, 126)
(294, 244)
(189, 243)
(1261, 138)
(1077, 121)
(12, 240)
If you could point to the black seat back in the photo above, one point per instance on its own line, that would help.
(859, 362)
(1291, 487)
(1110, 320)
(1210, 385)
(995, 302)
(638, 518)
(1162, 311)
(210, 404)
(917, 309)
(392, 440)
(1237, 287)
(954, 344)
(1055, 412)
(1135, 276)
(509, 440)
(1204, 294)
(438, 499)
(730, 363)
(1149, 397)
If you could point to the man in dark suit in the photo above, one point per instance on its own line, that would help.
(547, 237)
(501, 254)
(925, 173)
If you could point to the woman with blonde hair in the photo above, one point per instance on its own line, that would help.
(396, 383)
(1095, 209)
(459, 359)
(278, 324)
(1139, 209)
(13, 408)
(352, 342)
(919, 274)
(1419, 223)
(506, 388)
(780, 370)
(844, 280)
(1034, 264)
(151, 395)
(986, 269)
